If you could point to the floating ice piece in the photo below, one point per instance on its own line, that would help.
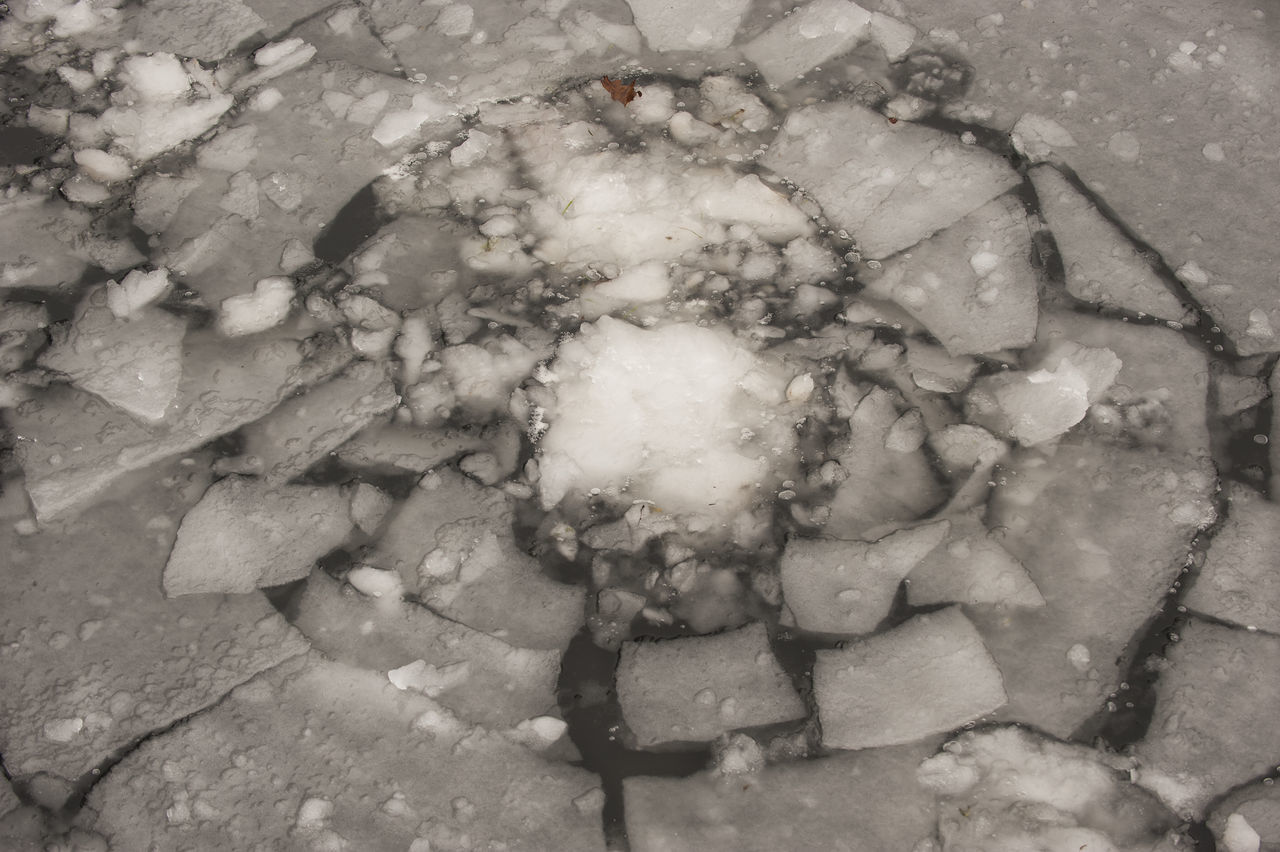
(207, 30)
(679, 415)
(133, 363)
(810, 35)
(1007, 790)
(244, 535)
(452, 543)
(762, 811)
(834, 586)
(1248, 818)
(696, 688)
(987, 304)
(894, 184)
(1240, 579)
(970, 567)
(102, 166)
(266, 307)
(398, 125)
(1036, 137)
(159, 77)
(369, 505)
(1101, 265)
(1212, 729)
(870, 693)
(671, 25)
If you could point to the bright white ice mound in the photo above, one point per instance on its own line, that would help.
(681, 416)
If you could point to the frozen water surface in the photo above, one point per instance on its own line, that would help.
(848, 429)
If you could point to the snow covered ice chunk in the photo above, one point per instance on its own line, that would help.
(244, 534)
(810, 35)
(680, 415)
(869, 693)
(673, 25)
(1008, 790)
(835, 586)
(249, 313)
(895, 184)
(696, 688)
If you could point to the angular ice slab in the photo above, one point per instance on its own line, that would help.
(927, 676)
(836, 586)
(245, 534)
(673, 25)
(892, 185)
(696, 688)
(806, 37)
(1240, 580)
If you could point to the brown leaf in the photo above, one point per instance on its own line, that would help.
(620, 93)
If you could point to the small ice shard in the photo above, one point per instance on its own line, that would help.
(244, 535)
(369, 505)
(1037, 137)
(137, 290)
(1213, 724)
(133, 363)
(375, 583)
(835, 586)
(1248, 819)
(398, 125)
(1040, 404)
(668, 25)
(266, 307)
(809, 35)
(1008, 790)
(970, 567)
(696, 688)
(103, 166)
(870, 693)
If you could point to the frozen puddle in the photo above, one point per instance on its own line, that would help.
(415, 444)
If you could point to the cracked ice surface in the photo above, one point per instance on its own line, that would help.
(857, 440)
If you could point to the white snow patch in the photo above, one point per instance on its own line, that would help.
(680, 415)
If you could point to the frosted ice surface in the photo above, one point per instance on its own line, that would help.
(808, 36)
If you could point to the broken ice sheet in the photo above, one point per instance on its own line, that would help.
(452, 543)
(1009, 790)
(93, 655)
(869, 692)
(495, 684)
(695, 688)
(380, 769)
(894, 185)
(863, 802)
(74, 446)
(246, 534)
(970, 566)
